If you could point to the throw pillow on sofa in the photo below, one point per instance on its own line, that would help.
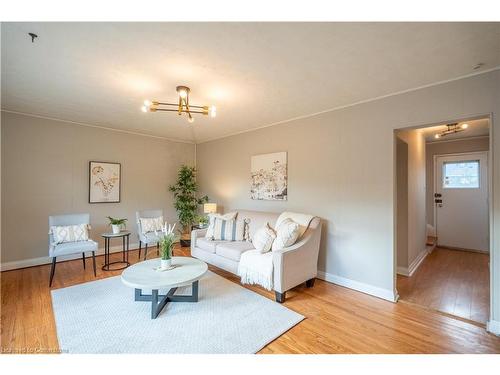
(228, 230)
(263, 238)
(212, 221)
(286, 234)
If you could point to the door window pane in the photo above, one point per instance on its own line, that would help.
(461, 175)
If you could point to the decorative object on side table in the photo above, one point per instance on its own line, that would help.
(117, 224)
(186, 201)
(167, 242)
(104, 182)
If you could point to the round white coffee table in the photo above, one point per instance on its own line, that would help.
(143, 275)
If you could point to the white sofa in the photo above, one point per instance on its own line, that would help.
(291, 266)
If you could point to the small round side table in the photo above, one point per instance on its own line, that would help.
(125, 236)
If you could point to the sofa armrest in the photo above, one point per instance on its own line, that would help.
(197, 233)
(298, 263)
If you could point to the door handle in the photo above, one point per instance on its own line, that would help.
(438, 201)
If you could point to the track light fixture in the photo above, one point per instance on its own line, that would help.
(183, 106)
(451, 129)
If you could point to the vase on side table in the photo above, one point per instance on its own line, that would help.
(166, 263)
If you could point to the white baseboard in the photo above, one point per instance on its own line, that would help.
(7, 266)
(386, 294)
(408, 271)
(493, 326)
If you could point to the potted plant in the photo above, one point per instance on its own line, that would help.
(116, 224)
(202, 221)
(185, 200)
(167, 242)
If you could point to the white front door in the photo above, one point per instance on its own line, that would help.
(461, 201)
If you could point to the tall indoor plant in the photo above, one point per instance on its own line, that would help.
(186, 201)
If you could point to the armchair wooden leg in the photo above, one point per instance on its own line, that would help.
(145, 251)
(310, 282)
(52, 270)
(83, 259)
(280, 297)
(158, 248)
(140, 245)
(93, 261)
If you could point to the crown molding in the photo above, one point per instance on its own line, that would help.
(98, 126)
(353, 104)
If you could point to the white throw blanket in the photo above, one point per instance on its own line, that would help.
(256, 268)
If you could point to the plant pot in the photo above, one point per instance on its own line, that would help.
(116, 228)
(186, 240)
(165, 263)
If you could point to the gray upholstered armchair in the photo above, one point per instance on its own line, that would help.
(150, 237)
(67, 248)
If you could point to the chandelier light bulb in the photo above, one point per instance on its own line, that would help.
(144, 108)
(147, 103)
(183, 94)
(190, 120)
(213, 111)
(437, 136)
(465, 126)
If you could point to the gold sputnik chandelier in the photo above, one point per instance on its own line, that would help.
(451, 129)
(183, 106)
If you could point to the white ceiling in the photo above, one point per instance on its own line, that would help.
(476, 128)
(256, 74)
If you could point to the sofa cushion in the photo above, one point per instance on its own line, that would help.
(233, 249)
(207, 245)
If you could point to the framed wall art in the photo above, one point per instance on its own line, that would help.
(269, 177)
(104, 182)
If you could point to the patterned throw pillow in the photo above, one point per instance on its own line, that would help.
(70, 233)
(211, 224)
(286, 234)
(263, 238)
(151, 224)
(228, 230)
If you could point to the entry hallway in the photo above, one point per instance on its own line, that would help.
(452, 281)
(338, 320)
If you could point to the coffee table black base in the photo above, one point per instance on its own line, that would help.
(158, 302)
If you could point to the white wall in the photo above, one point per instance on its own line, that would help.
(416, 232)
(45, 172)
(341, 167)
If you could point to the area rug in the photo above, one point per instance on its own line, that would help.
(102, 317)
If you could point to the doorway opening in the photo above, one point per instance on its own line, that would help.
(443, 184)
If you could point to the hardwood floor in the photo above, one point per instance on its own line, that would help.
(338, 320)
(452, 281)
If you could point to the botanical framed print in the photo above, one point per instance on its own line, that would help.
(269, 177)
(104, 182)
